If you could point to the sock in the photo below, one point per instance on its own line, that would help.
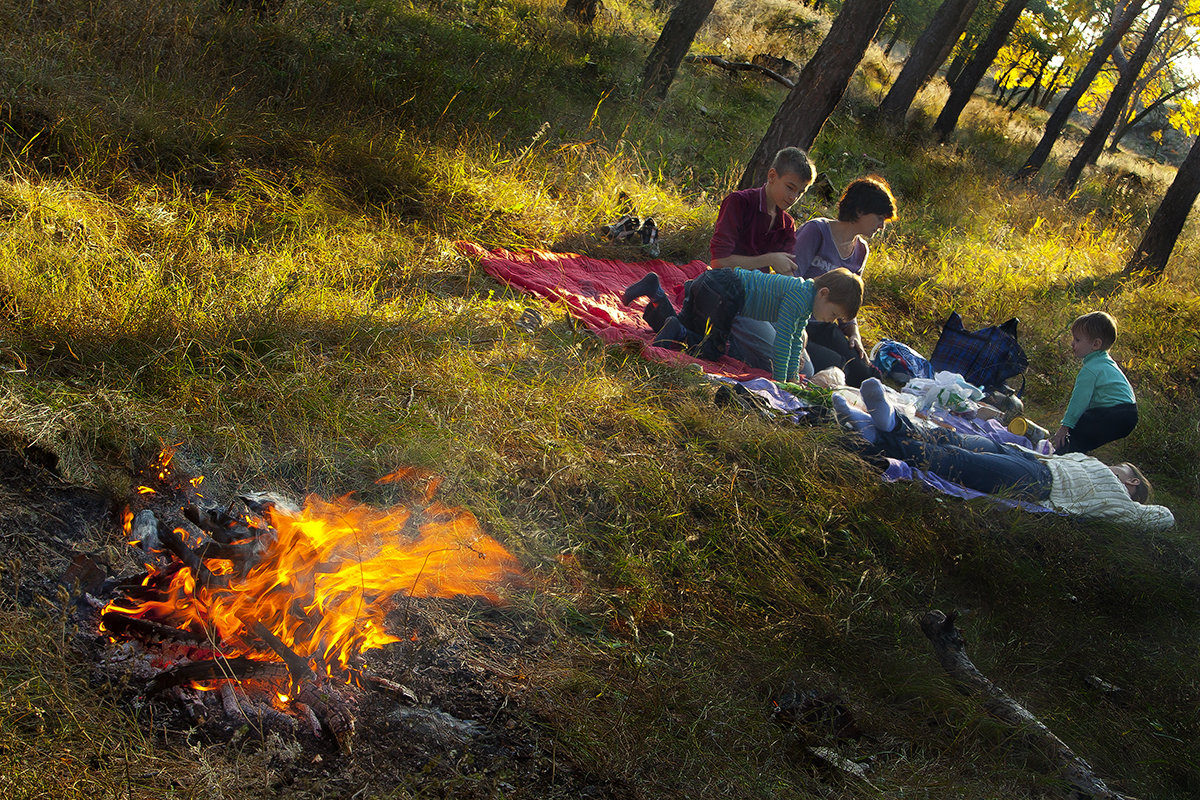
(648, 286)
(881, 411)
(859, 419)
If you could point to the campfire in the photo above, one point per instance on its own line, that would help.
(261, 609)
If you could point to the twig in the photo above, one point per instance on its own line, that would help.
(740, 66)
(950, 647)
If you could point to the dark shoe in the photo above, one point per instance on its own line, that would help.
(622, 228)
(672, 335)
(858, 370)
(648, 286)
(649, 234)
(648, 231)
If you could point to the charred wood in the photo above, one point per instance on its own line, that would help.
(234, 669)
(217, 523)
(146, 630)
(297, 665)
(332, 710)
(193, 561)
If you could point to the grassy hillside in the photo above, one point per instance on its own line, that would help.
(234, 232)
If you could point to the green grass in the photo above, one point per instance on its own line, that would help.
(237, 234)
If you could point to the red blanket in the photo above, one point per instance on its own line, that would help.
(591, 289)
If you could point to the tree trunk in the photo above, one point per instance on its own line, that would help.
(1031, 91)
(946, 26)
(985, 54)
(1116, 102)
(1069, 102)
(1141, 115)
(582, 12)
(673, 44)
(821, 85)
(1150, 258)
(887, 51)
(1044, 98)
(964, 18)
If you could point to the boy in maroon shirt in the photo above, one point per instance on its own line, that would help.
(754, 229)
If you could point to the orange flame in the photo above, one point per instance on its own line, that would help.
(326, 582)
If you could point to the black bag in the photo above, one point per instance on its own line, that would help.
(986, 357)
(710, 302)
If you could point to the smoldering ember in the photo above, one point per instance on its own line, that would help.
(256, 615)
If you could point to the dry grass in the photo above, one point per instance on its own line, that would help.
(238, 234)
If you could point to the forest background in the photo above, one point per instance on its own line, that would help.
(232, 229)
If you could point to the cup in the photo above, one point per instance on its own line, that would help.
(1023, 426)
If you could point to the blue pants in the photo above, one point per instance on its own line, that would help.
(976, 462)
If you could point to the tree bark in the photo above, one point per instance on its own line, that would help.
(1141, 115)
(1070, 101)
(985, 54)
(1150, 258)
(951, 650)
(1094, 142)
(672, 45)
(946, 26)
(821, 85)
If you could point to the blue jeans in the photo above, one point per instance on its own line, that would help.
(752, 341)
(976, 462)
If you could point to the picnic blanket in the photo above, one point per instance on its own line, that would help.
(591, 289)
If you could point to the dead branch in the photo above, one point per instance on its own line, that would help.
(298, 666)
(740, 66)
(950, 647)
(216, 522)
(192, 560)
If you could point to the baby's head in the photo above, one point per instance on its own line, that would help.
(1091, 332)
(790, 176)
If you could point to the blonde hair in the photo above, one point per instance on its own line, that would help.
(1142, 489)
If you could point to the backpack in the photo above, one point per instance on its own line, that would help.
(889, 355)
(986, 357)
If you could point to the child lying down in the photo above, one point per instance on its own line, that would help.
(1072, 483)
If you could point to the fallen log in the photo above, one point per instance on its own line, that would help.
(950, 647)
(740, 66)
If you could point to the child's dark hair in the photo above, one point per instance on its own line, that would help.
(1142, 489)
(795, 161)
(1097, 325)
(869, 195)
(845, 289)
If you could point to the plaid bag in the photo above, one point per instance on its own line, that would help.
(986, 357)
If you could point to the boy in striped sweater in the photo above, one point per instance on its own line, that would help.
(712, 300)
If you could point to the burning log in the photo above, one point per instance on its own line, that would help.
(276, 605)
(298, 667)
(221, 525)
(950, 647)
(120, 624)
(257, 714)
(219, 669)
(192, 560)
